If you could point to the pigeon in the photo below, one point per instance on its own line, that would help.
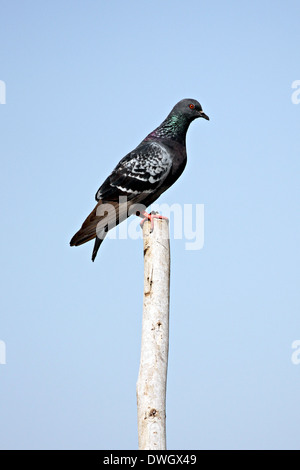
(141, 176)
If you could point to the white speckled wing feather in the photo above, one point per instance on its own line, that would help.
(140, 172)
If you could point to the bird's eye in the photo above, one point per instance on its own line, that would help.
(192, 106)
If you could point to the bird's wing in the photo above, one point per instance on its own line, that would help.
(140, 172)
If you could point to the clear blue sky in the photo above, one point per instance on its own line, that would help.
(85, 82)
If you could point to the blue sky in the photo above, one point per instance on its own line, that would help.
(86, 81)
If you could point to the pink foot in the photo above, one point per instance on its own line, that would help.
(153, 215)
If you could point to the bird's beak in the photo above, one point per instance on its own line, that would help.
(203, 115)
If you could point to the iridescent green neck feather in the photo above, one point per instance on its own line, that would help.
(174, 127)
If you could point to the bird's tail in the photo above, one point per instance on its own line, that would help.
(97, 245)
(88, 229)
(96, 225)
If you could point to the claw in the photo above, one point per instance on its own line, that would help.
(153, 215)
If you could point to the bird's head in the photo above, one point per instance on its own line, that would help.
(190, 108)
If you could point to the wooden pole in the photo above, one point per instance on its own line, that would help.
(152, 379)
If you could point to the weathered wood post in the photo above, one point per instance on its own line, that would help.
(152, 379)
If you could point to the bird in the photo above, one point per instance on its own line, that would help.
(141, 176)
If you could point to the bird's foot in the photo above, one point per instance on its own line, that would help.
(153, 215)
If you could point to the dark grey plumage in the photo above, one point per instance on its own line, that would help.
(142, 175)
